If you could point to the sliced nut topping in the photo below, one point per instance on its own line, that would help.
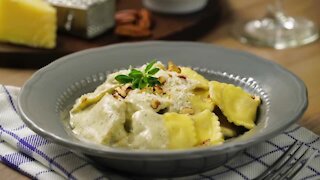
(127, 88)
(162, 79)
(182, 76)
(187, 110)
(173, 67)
(158, 90)
(155, 104)
(123, 90)
(116, 95)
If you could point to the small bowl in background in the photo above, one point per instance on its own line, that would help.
(175, 6)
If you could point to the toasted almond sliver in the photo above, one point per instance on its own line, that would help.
(182, 76)
(121, 92)
(162, 79)
(173, 67)
(158, 89)
(116, 95)
(126, 88)
(155, 104)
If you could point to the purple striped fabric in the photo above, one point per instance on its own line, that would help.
(23, 150)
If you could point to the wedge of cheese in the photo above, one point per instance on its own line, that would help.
(28, 22)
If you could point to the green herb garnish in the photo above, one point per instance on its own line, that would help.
(140, 79)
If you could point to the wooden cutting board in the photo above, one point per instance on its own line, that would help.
(167, 27)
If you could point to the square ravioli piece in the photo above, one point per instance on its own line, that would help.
(237, 105)
(181, 132)
(207, 128)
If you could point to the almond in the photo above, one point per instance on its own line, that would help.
(144, 19)
(155, 104)
(173, 67)
(132, 31)
(162, 79)
(158, 89)
(116, 95)
(182, 76)
(129, 16)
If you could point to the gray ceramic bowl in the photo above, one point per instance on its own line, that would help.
(49, 94)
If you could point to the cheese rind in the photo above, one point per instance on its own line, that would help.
(28, 22)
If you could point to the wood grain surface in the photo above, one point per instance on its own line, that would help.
(303, 61)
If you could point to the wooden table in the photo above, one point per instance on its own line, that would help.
(303, 61)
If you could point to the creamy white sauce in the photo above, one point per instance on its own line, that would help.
(100, 123)
(138, 100)
(104, 121)
(148, 131)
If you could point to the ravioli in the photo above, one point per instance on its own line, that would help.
(202, 82)
(101, 123)
(148, 131)
(154, 107)
(181, 131)
(201, 101)
(207, 128)
(237, 105)
(91, 98)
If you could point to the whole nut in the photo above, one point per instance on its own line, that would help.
(144, 19)
(132, 31)
(128, 16)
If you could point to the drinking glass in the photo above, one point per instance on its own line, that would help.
(276, 29)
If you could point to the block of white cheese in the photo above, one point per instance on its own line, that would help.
(28, 22)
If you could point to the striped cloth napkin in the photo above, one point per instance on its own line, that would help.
(23, 150)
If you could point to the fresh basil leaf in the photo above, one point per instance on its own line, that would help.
(152, 81)
(149, 66)
(143, 83)
(135, 83)
(153, 71)
(135, 73)
(123, 79)
(139, 79)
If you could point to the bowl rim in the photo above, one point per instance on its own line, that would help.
(159, 154)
